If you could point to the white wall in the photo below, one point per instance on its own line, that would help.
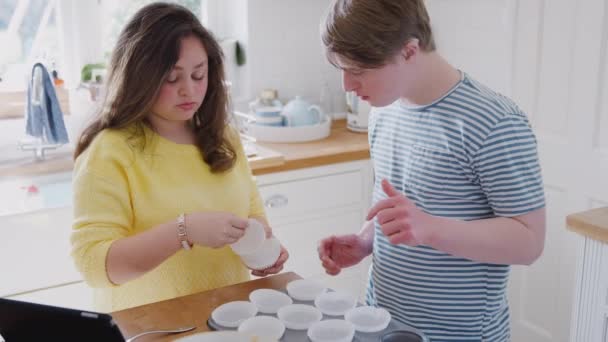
(476, 36)
(283, 49)
(79, 23)
(547, 56)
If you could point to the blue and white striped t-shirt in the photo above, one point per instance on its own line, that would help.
(470, 155)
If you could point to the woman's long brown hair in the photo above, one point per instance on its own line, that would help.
(146, 51)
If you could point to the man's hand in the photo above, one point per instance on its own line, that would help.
(400, 220)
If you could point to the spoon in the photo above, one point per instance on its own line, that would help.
(171, 331)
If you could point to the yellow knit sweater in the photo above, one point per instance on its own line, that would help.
(121, 189)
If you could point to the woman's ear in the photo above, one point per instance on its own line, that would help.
(410, 49)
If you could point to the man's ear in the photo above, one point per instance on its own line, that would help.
(410, 49)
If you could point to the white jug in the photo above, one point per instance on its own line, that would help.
(357, 113)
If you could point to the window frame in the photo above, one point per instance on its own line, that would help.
(78, 49)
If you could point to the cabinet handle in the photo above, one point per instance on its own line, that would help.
(276, 201)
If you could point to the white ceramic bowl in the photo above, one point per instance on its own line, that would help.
(265, 256)
(216, 336)
(269, 301)
(268, 111)
(269, 120)
(335, 303)
(331, 330)
(299, 316)
(222, 336)
(284, 134)
(305, 289)
(263, 326)
(252, 239)
(368, 318)
(231, 314)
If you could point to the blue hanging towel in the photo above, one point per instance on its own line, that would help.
(44, 116)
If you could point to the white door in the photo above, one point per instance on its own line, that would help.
(560, 75)
(551, 57)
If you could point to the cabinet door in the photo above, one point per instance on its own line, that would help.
(305, 206)
(301, 240)
(76, 295)
(300, 199)
(35, 251)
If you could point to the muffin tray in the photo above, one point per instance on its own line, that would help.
(395, 332)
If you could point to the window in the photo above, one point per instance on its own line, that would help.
(28, 33)
(115, 14)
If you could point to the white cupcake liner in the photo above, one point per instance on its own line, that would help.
(231, 314)
(335, 303)
(269, 300)
(263, 327)
(265, 256)
(305, 289)
(252, 239)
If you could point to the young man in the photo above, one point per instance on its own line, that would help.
(458, 192)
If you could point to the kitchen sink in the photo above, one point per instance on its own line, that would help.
(27, 194)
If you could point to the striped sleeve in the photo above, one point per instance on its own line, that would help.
(508, 168)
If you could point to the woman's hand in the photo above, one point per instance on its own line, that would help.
(214, 229)
(276, 268)
(278, 265)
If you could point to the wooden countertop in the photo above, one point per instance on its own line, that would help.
(192, 310)
(341, 146)
(591, 223)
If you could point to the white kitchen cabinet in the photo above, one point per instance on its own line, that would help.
(304, 206)
(77, 295)
(590, 314)
(35, 252)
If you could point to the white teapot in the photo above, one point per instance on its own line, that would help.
(299, 112)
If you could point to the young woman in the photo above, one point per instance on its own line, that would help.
(161, 182)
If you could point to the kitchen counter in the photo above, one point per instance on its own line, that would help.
(192, 310)
(591, 223)
(341, 146)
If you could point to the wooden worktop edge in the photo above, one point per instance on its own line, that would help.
(591, 223)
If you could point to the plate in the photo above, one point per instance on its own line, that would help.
(299, 316)
(332, 330)
(335, 303)
(222, 336)
(305, 289)
(231, 314)
(269, 301)
(285, 134)
(368, 318)
(263, 327)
